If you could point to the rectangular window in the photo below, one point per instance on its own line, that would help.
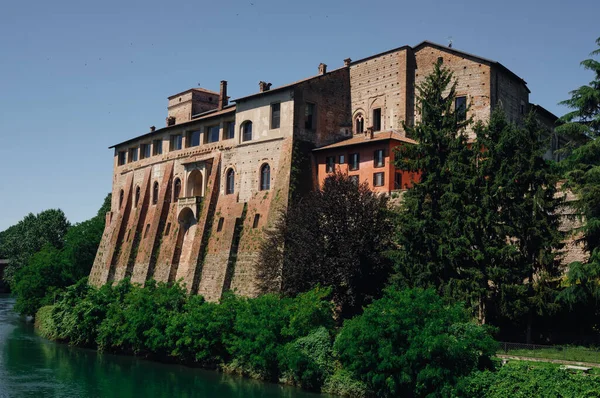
(377, 119)
(133, 155)
(460, 107)
(256, 220)
(212, 134)
(193, 139)
(157, 147)
(378, 179)
(146, 151)
(398, 181)
(176, 142)
(122, 158)
(378, 160)
(220, 224)
(329, 164)
(342, 159)
(275, 115)
(309, 116)
(354, 161)
(230, 130)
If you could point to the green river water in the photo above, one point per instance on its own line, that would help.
(31, 366)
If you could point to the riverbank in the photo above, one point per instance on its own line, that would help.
(33, 366)
(409, 342)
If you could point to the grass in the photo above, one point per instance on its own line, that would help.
(578, 354)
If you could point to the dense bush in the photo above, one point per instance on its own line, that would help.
(523, 380)
(409, 343)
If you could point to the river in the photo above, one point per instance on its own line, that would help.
(31, 366)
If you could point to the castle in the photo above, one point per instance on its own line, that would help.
(191, 200)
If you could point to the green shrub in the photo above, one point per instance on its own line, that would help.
(307, 361)
(524, 380)
(257, 336)
(138, 324)
(341, 382)
(44, 322)
(410, 343)
(200, 330)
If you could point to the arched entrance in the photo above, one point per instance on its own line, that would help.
(194, 186)
(185, 237)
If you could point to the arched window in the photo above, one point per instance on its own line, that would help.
(121, 196)
(247, 131)
(137, 195)
(265, 177)
(359, 123)
(229, 182)
(155, 193)
(176, 189)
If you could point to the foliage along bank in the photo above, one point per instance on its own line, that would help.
(406, 341)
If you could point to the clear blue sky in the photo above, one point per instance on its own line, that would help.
(79, 76)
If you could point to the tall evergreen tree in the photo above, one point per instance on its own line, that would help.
(519, 194)
(436, 223)
(582, 170)
(585, 102)
(482, 223)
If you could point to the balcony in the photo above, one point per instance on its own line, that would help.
(194, 203)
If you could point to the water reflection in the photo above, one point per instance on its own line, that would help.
(33, 367)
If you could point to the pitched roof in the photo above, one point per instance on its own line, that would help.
(202, 116)
(454, 51)
(360, 139)
(285, 86)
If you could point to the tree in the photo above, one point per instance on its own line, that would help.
(438, 223)
(481, 225)
(582, 172)
(409, 343)
(29, 235)
(54, 268)
(585, 102)
(333, 237)
(520, 197)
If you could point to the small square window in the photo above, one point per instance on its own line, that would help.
(176, 142)
(133, 155)
(398, 181)
(329, 164)
(354, 161)
(460, 107)
(275, 115)
(193, 138)
(342, 159)
(378, 179)
(122, 158)
(157, 147)
(146, 151)
(378, 159)
(212, 134)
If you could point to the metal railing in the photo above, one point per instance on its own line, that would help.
(565, 353)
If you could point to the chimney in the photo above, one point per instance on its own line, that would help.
(152, 129)
(223, 98)
(347, 61)
(264, 86)
(322, 68)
